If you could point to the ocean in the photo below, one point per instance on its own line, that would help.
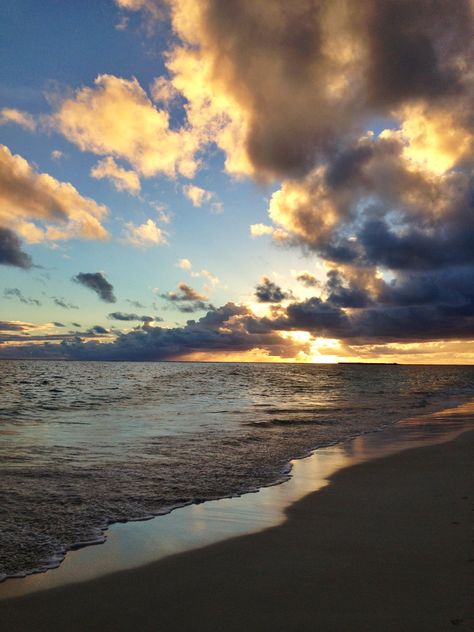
(86, 444)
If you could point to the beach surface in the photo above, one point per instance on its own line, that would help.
(388, 545)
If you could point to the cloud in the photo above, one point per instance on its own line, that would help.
(122, 23)
(187, 299)
(414, 307)
(16, 293)
(252, 77)
(129, 317)
(16, 325)
(122, 179)
(23, 119)
(153, 8)
(96, 282)
(248, 77)
(220, 331)
(342, 295)
(61, 302)
(257, 230)
(136, 304)
(184, 264)
(11, 253)
(186, 293)
(199, 196)
(164, 215)
(268, 292)
(378, 207)
(57, 324)
(145, 235)
(39, 207)
(116, 118)
(211, 279)
(99, 330)
(307, 279)
(16, 331)
(253, 89)
(162, 90)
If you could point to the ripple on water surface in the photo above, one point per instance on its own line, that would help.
(84, 444)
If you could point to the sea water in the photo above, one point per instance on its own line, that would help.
(86, 444)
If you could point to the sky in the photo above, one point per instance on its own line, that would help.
(242, 180)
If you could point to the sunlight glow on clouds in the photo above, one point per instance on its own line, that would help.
(23, 119)
(117, 118)
(145, 235)
(122, 179)
(39, 207)
(281, 93)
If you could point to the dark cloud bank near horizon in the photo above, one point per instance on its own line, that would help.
(396, 228)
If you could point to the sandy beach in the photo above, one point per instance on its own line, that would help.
(388, 545)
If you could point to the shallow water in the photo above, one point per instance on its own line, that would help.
(135, 544)
(86, 444)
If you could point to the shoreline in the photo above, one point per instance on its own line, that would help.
(261, 515)
(96, 528)
(83, 561)
(387, 545)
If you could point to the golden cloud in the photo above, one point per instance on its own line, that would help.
(144, 235)
(304, 208)
(116, 118)
(28, 198)
(23, 119)
(122, 179)
(434, 138)
(197, 195)
(151, 6)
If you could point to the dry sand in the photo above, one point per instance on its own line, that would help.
(388, 546)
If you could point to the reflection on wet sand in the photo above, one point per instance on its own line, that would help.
(138, 543)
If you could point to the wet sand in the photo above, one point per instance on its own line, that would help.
(388, 546)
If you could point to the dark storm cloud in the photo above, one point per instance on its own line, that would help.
(437, 246)
(14, 292)
(452, 288)
(414, 48)
(316, 315)
(350, 198)
(96, 282)
(384, 211)
(11, 253)
(342, 295)
(345, 60)
(346, 166)
(220, 330)
(308, 78)
(269, 292)
(129, 317)
(57, 324)
(413, 307)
